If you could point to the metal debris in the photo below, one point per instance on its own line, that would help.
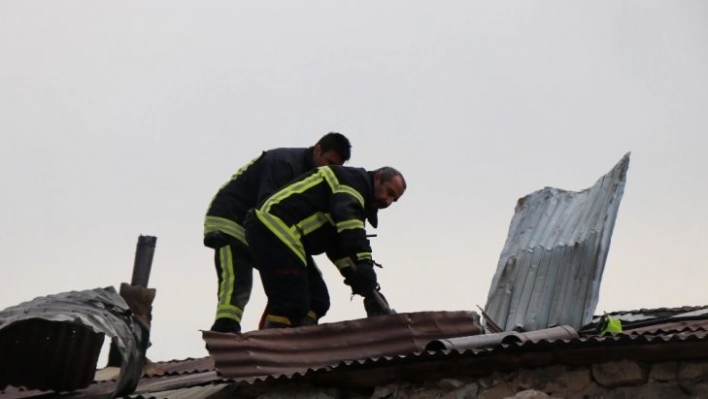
(291, 351)
(53, 342)
(487, 340)
(550, 269)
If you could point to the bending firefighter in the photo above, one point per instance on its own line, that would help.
(323, 211)
(223, 225)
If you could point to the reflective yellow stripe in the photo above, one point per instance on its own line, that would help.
(227, 275)
(297, 187)
(363, 255)
(349, 190)
(344, 263)
(289, 236)
(350, 224)
(330, 177)
(229, 312)
(215, 223)
(236, 175)
(333, 182)
(242, 169)
(314, 222)
(312, 315)
(278, 319)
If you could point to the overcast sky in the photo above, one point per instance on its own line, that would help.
(124, 118)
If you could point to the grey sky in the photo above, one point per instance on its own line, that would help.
(124, 118)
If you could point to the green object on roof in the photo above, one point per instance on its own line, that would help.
(611, 325)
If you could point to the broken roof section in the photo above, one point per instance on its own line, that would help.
(478, 355)
(53, 342)
(294, 351)
(550, 269)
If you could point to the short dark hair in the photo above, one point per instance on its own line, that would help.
(336, 142)
(388, 173)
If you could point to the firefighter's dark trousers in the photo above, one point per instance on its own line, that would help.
(234, 268)
(295, 290)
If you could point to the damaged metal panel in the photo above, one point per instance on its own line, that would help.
(195, 392)
(550, 269)
(53, 342)
(186, 366)
(290, 351)
(487, 340)
(652, 314)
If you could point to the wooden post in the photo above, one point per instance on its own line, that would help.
(144, 253)
(138, 297)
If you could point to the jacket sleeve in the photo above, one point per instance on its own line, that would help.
(348, 215)
(276, 174)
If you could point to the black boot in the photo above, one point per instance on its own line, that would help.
(309, 320)
(224, 325)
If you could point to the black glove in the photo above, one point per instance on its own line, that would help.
(362, 279)
(373, 308)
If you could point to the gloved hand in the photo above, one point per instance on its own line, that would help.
(362, 279)
(373, 307)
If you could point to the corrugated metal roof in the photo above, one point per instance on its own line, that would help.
(430, 365)
(146, 386)
(150, 385)
(668, 327)
(186, 366)
(550, 269)
(487, 340)
(173, 374)
(293, 351)
(651, 314)
(53, 342)
(532, 349)
(195, 392)
(47, 355)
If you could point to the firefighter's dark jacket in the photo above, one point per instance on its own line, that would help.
(250, 185)
(323, 211)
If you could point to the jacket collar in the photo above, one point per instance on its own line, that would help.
(307, 161)
(372, 214)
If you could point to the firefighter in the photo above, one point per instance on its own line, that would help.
(323, 211)
(223, 224)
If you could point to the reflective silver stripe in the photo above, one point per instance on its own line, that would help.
(215, 223)
(350, 224)
(289, 236)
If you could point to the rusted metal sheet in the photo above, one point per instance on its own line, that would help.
(196, 392)
(53, 342)
(172, 375)
(631, 316)
(550, 269)
(432, 365)
(532, 349)
(487, 340)
(669, 327)
(657, 321)
(290, 351)
(148, 387)
(186, 366)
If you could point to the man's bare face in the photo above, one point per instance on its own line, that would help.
(388, 192)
